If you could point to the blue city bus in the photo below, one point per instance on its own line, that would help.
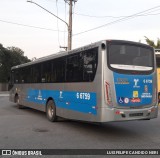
(110, 80)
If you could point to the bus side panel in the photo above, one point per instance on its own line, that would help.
(95, 88)
(80, 104)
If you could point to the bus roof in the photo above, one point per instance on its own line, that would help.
(64, 53)
(57, 55)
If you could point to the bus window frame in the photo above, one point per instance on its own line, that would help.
(121, 71)
(57, 61)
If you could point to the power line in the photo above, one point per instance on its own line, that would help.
(153, 10)
(116, 17)
(69, 25)
(150, 14)
(96, 16)
(109, 16)
(30, 26)
(117, 21)
(48, 29)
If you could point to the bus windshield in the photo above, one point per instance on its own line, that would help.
(130, 57)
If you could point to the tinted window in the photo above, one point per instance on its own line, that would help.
(79, 67)
(27, 74)
(46, 70)
(131, 57)
(90, 64)
(16, 76)
(36, 73)
(58, 72)
(75, 68)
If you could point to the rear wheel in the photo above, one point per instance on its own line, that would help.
(51, 111)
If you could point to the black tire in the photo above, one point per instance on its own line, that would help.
(51, 111)
(17, 101)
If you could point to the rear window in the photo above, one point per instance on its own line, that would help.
(130, 57)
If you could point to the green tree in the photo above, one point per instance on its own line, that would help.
(9, 57)
(152, 43)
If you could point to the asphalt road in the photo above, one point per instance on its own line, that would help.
(29, 129)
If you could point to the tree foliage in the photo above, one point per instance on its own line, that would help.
(10, 56)
(152, 43)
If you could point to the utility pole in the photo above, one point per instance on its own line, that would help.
(69, 25)
(70, 2)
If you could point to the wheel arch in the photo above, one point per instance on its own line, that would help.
(50, 98)
(15, 97)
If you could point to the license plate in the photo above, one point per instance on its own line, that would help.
(135, 114)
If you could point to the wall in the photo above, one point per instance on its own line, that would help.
(3, 87)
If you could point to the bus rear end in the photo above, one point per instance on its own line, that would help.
(130, 83)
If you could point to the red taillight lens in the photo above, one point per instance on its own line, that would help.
(155, 96)
(117, 112)
(108, 93)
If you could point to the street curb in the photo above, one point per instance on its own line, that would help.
(4, 95)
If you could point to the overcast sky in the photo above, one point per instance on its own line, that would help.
(37, 42)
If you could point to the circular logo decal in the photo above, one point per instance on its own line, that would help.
(126, 100)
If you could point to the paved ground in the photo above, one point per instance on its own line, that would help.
(28, 128)
(4, 93)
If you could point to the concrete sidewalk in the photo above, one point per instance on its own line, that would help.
(4, 93)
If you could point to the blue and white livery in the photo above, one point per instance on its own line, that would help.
(110, 80)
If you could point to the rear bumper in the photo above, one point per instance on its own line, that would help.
(113, 114)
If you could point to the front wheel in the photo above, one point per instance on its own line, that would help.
(51, 111)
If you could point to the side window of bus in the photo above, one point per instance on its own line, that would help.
(21, 76)
(53, 74)
(16, 76)
(27, 72)
(81, 67)
(36, 73)
(90, 64)
(59, 70)
(46, 72)
(75, 68)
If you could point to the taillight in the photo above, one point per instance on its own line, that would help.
(108, 93)
(155, 96)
